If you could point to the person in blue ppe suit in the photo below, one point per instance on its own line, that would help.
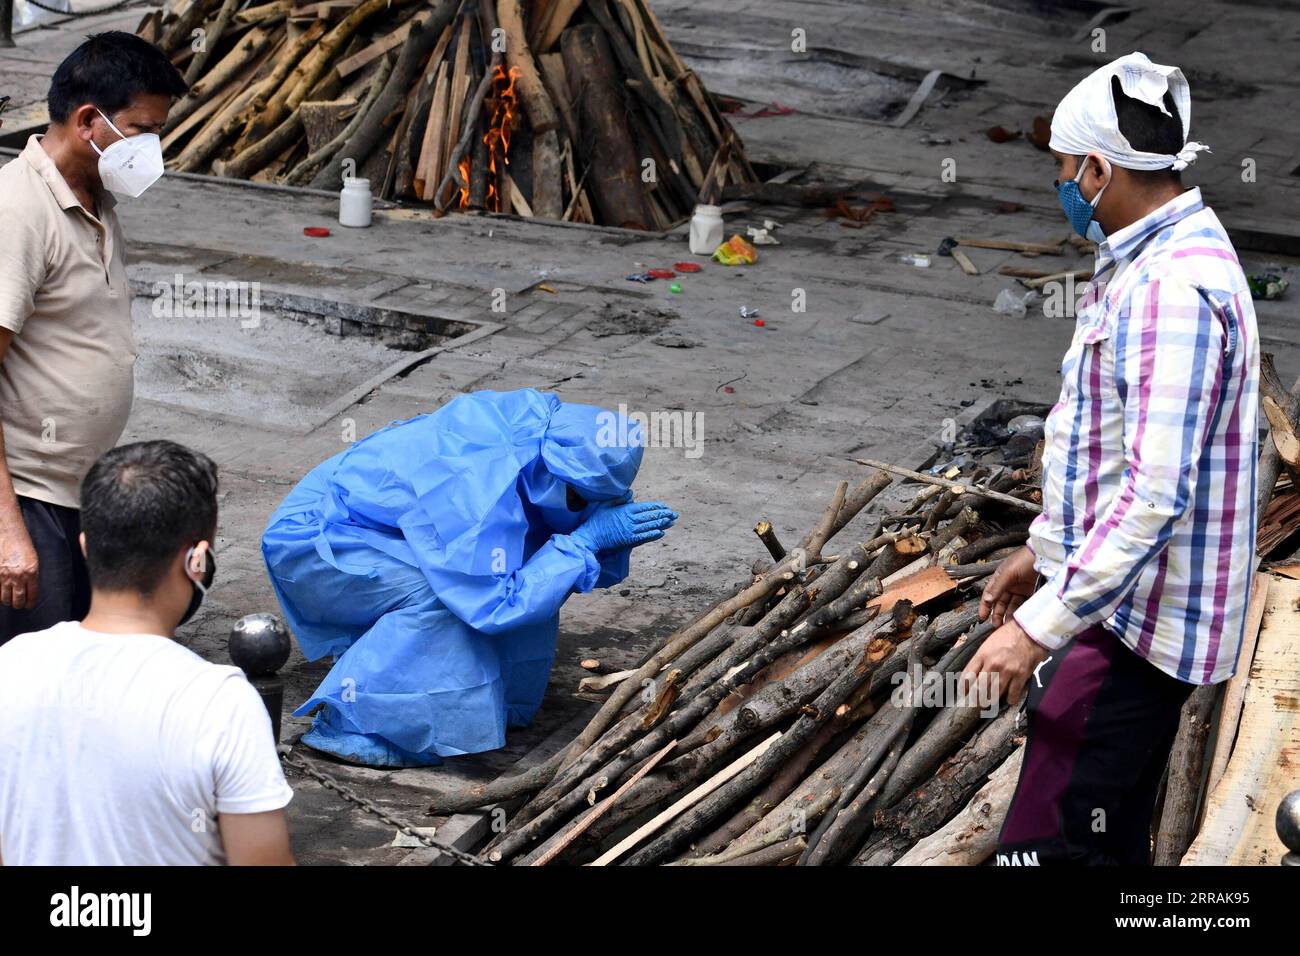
(431, 560)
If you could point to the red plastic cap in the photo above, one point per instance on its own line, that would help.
(316, 232)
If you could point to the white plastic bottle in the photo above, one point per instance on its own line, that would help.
(707, 230)
(355, 203)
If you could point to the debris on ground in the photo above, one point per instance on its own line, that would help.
(617, 319)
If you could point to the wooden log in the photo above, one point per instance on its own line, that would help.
(598, 683)
(606, 141)
(548, 197)
(263, 13)
(201, 93)
(479, 164)
(936, 800)
(954, 485)
(845, 823)
(338, 141)
(178, 33)
(729, 676)
(210, 40)
(658, 110)
(220, 128)
(1282, 432)
(768, 763)
(785, 697)
(248, 161)
(987, 545)
(615, 752)
(297, 47)
(322, 120)
(732, 770)
(775, 855)
(557, 87)
(944, 736)
(1270, 462)
(896, 556)
(362, 142)
(411, 142)
(308, 72)
(972, 835)
(150, 27)
(777, 789)
(682, 642)
(767, 535)
(548, 852)
(214, 105)
(1183, 785)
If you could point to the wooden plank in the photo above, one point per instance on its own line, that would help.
(460, 80)
(684, 804)
(200, 115)
(598, 811)
(428, 172)
(918, 588)
(963, 260)
(1230, 710)
(1239, 827)
(1035, 248)
(377, 49)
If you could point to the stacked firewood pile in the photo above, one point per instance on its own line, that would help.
(572, 110)
(812, 713)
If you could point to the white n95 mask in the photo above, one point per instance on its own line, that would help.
(132, 164)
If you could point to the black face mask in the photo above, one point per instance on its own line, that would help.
(200, 587)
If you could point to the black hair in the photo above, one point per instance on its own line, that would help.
(1148, 129)
(110, 70)
(140, 504)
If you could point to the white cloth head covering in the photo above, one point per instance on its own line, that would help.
(1085, 120)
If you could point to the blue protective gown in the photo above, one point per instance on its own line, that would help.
(431, 559)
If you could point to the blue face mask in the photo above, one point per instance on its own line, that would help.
(1078, 210)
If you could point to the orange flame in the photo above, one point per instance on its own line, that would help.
(504, 109)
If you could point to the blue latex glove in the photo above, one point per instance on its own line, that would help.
(611, 527)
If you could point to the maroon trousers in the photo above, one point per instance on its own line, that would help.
(1100, 729)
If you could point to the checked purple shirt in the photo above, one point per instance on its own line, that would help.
(1148, 522)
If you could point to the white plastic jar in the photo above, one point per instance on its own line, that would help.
(707, 230)
(355, 203)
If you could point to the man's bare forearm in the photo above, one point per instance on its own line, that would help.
(11, 516)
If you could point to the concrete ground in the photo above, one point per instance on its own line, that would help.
(882, 354)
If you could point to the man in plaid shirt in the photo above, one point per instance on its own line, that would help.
(1145, 545)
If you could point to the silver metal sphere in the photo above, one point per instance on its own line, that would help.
(1288, 821)
(259, 643)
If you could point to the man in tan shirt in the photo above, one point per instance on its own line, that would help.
(66, 348)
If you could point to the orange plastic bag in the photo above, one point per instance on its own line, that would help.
(736, 251)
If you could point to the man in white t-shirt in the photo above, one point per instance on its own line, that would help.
(118, 746)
